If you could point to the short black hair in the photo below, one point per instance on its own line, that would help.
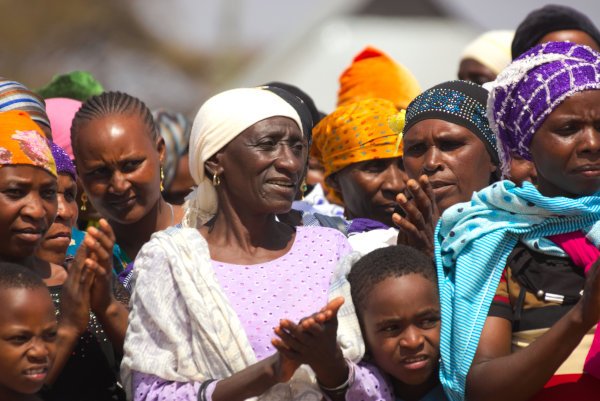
(382, 263)
(13, 275)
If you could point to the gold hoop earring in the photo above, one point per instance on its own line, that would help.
(162, 178)
(84, 200)
(216, 181)
(303, 188)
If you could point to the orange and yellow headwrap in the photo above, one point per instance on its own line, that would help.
(357, 132)
(22, 142)
(373, 74)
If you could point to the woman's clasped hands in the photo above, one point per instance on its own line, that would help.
(313, 341)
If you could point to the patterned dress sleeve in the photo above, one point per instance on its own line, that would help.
(368, 384)
(148, 387)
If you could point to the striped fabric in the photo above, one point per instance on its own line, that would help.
(16, 96)
(472, 243)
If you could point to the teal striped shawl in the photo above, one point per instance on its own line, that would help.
(472, 243)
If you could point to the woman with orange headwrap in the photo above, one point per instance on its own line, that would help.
(362, 161)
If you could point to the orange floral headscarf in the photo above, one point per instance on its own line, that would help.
(357, 132)
(22, 142)
(373, 74)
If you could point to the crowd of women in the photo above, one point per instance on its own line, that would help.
(437, 244)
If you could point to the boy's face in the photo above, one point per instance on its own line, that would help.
(402, 328)
(27, 339)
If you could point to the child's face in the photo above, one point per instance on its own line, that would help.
(27, 339)
(402, 327)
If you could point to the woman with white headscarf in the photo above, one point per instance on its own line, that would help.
(207, 295)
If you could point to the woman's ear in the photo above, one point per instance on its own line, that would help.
(160, 148)
(212, 166)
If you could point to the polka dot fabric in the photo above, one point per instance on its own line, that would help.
(292, 286)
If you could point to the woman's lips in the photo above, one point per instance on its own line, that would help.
(588, 171)
(30, 235)
(63, 237)
(122, 203)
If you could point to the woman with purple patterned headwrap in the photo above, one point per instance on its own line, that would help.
(518, 267)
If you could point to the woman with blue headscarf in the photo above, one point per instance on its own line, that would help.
(519, 281)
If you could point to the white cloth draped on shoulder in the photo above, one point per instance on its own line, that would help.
(182, 326)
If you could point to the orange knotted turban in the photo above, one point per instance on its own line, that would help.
(373, 74)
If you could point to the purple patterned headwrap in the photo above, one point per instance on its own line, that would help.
(531, 88)
(63, 161)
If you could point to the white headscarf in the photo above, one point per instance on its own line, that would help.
(492, 49)
(220, 119)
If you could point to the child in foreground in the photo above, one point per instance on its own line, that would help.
(28, 330)
(394, 291)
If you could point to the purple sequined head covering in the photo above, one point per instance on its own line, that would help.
(63, 161)
(531, 87)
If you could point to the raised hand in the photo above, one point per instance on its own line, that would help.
(313, 341)
(74, 303)
(422, 214)
(99, 243)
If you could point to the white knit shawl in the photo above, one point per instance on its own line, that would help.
(182, 326)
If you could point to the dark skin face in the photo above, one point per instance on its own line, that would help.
(570, 35)
(401, 322)
(56, 241)
(119, 166)
(28, 203)
(261, 169)
(566, 148)
(473, 71)
(369, 188)
(28, 332)
(452, 157)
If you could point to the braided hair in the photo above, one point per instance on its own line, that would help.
(382, 263)
(112, 103)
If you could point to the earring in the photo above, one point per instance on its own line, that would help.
(84, 200)
(303, 188)
(162, 178)
(216, 181)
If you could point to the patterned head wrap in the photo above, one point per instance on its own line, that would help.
(221, 119)
(78, 85)
(492, 49)
(22, 142)
(531, 87)
(458, 102)
(354, 133)
(373, 74)
(175, 129)
(62, 160)
(61, 112)
(550, 18)
(16, 96)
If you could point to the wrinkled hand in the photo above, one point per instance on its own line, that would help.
(74, 303)
(313, 341)
(591, 295)
(422, 214)
(99, 243)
